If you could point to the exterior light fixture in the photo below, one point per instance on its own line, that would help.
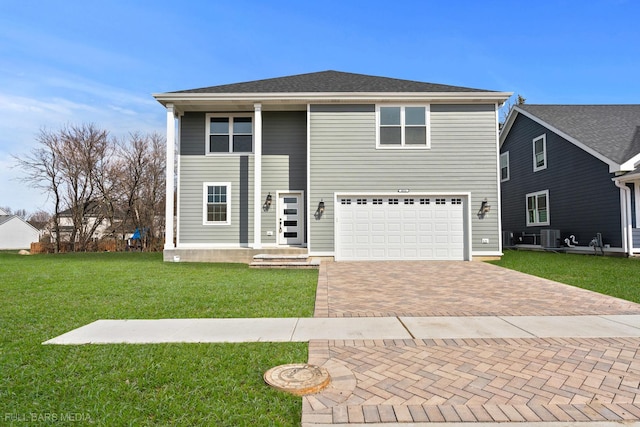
(267, 203)
(485, 207)
(320, 210)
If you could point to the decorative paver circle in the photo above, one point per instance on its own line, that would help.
(298, 378)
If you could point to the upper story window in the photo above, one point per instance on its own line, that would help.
(403, 127)
(504, 166)
(540, 153)
(229, 133)
(538, 208)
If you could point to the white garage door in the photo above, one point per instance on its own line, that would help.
(400, 228)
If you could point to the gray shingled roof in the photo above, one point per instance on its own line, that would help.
(330, 81)
(611, 130)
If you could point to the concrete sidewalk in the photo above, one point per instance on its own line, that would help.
(138, 331)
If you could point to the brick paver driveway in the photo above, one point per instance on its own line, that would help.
(468, 380)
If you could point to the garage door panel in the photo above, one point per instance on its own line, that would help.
(403, 228)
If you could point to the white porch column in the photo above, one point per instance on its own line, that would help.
(171, 147)
(257, 178)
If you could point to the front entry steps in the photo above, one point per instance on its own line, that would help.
(283, 261)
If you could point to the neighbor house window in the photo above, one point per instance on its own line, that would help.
(538, 208)
(229, 133)
(540, 153)
(504, 166)
(403, 127)
(217, 203)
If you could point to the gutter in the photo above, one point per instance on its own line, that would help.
(625, 205)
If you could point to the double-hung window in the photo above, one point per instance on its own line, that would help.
(403, 126)
(504, 166)
(217, 203)
(540, 153)
(538, 208)
(229, 133)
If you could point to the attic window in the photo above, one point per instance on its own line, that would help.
(403, 127)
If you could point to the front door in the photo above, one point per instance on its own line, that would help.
(290, 218)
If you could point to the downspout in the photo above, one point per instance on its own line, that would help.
(625, 205)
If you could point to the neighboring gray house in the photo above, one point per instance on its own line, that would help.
(16, 233)
(333, 164)
(571, 170)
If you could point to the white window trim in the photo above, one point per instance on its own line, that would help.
(207, 133)
(402, 146)
(204, 203)
(505, 155)
(526, 205)
(542, 137)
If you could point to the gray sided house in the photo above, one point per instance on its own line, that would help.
(571, 170)
(333, 164)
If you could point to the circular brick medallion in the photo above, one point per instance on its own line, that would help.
(298, 378)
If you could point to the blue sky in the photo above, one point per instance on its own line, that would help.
(74, 62)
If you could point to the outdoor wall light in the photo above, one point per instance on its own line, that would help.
(267, 203)
(485, 207)
(320, 210)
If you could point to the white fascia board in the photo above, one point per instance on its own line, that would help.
(630, 164)
(338, 97)
(613, 166)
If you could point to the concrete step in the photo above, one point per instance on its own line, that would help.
(283, 261)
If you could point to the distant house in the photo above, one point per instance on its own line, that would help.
(95, 224)
(571, 170)
(15, 232)
(334, 164)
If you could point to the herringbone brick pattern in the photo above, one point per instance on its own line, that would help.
(451, 289)
(481, 380)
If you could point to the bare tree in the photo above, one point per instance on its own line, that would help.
(43, 170)
(94, 179)
(143, 197)
(508, 106)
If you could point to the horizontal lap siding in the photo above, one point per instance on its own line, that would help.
(196, 169)
(583, 200)
(283, 168)
(462, 158)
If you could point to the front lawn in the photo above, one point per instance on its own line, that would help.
(165, 384)
(618, 277)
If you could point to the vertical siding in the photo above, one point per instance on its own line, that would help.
(462, 158)
(583, 200)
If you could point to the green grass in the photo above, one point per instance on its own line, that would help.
(121, 385)
(618, 277)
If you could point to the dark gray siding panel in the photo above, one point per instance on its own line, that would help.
(284, 160)
(192, 137)
(636, 237)
(583, 199)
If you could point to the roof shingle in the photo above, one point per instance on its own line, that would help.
(330, 81)
(611, 130)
